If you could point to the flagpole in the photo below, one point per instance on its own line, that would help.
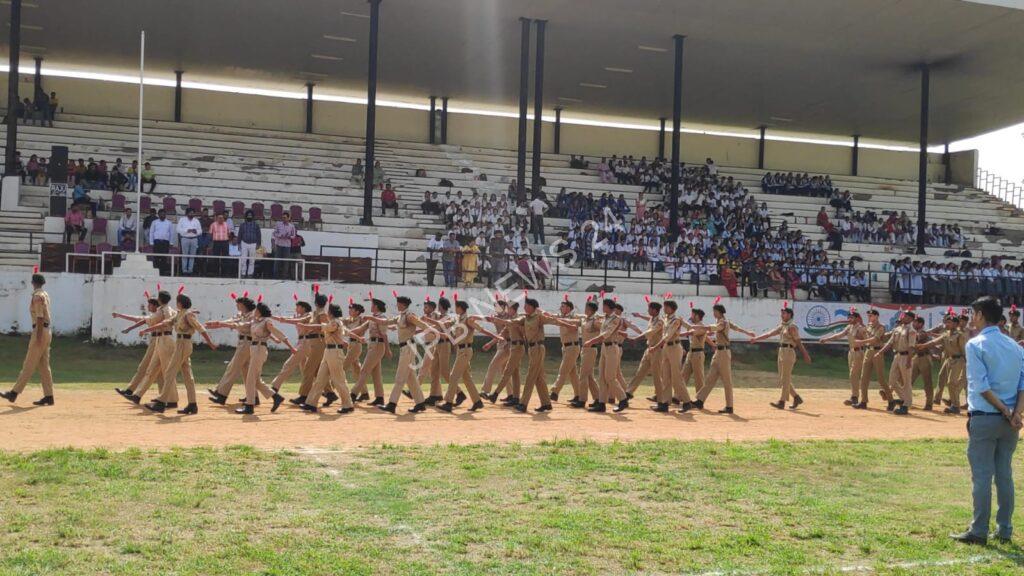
(138, 170)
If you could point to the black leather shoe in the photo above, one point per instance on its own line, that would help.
(796, 402)
(432, 400)
(520, 408)
(597, 407)
(686, 407)
(652, 398)
(190, 409)
(418, 408)
(378, 401)
(780, 404)
(123, 392)
(363, 397)
(968, 538)
(951, 410)
(478, 405)
(726, 410)
(544, 408)
(256, 403)
(890, 406)
(246, 409)
(407, 394)
(343, 410)
(156, 406)
(510, 401)
(170, 405)
(298, 400)
(44, 401)
(216, 398)
(1000, 539)
(213, 392)
(623, 404)
(677, 401)
(308, 408)
(629, 395)
(698, 404)
(354, 397)
(278, 400)
(861, 406)
(445, 407)
(389, 407)
(660, 407)
(460, 398)
(577, 404)
(901, 411)
(10, 396)
(553, 395)
(136, 399)
(850, 402)
(330, 398)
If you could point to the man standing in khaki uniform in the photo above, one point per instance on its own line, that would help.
(901, 342)
(853, 332)
(376, 349)
(238, 366)
(37, 359)
(610, 339)
(721, 361)
(406, 324)
(163, 351)
(461, 334)
(152, 306)
(568, 369)
(874, 361)
(789, 342)
(650, 363)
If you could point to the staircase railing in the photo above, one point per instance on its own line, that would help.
(1006, 190)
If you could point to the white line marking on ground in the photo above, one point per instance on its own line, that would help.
(871, 569)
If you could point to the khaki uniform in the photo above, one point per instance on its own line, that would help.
(590, 328)
(163, 353)
(650, 363)
(1016, 331)
(405, 373)
(462, 333)
(611, 359)
(354, 349)
(568, 369)
(721, 363)
(260, 332)
(185, 325)
(238, 366)
(315, 353)
(874, 362)
(331, 371)
(953, 372)
(296, 361)
(516, 351)
(37, 359)
(787, 358)
(923, 367)
(499, 361)
(693, 364)
(140, 373)
(902, 338)
(440, 363)
(533, 330)
(376, 348)
(672, 362)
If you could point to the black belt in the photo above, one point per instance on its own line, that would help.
(726, 347)
(902, 353)
(335, 346)
(974, 413)
(786, 346)
(158, 334)
(45, 325)
(700, 351)
(259, 342)
(533, 344)
(184, 336)
(957, 357)
(861, 349)
(672, 343)
(876, 347)
(517, 342)
(611, 344)
(463, 346)
(443, 340)
(377, 340)
(309, 336)
(244, 338)
(571, 344)
(921, 354)
(407, 342)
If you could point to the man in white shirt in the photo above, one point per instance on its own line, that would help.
(537, 209)
(160, 239)
(126, 227)
(189, 229)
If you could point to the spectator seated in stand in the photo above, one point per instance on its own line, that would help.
(895, 230)
(388, 199)
(74, 224)
(797, 184)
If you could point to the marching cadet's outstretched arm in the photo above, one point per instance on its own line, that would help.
(773, 332)
(835, 336)
(157, 327)
(641, 316)
(475, 322)
(128, 317)
(741, 330)
(133, 326)
(278, 336)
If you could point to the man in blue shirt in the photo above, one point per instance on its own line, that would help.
(995, 378)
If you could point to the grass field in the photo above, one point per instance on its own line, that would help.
(640, 507)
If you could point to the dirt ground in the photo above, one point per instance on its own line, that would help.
(96, 418)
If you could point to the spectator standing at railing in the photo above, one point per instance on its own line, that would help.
(250, 239)
(220, 236)
(189, 229)
(284, 232)
(160, 231)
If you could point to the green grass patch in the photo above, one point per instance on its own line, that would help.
(555, 508)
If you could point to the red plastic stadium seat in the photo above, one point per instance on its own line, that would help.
(196, 205)
(117, 202)
(219, 207)
(238, 209)
(170, 205)
(315, 218)
(296, 213)
(145, 203)
(257, 211)
(276, 212)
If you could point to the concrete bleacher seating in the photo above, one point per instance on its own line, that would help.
(251, 165)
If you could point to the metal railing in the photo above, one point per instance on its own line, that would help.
(172, 266)
(1005, 190)
(35, 237)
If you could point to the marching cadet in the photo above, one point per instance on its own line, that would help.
(331, 371)
(238, 366)
(952, 372)
(589, 326)
(377, 348)
(261, 330)
(163, 351)
(610, 340)
(461, 335)
(721, 361)
(354, 346)
(789, 342)
(922, 363)
(151, 319)
(185, 324)
(406, 324)
(426, 360)
(500, 359)
(650, 363)
(853, 332)
(301, 319)
(623, 334)
(37, 359)
(902, 339)
(569, 335)
(672, 360)
(874, 361)
(441, 367)
(516, 351)
(693, 363)
(533, 323)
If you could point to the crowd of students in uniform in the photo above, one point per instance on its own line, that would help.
(929, 282)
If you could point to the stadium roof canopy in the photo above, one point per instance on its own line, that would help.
(831, 67)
